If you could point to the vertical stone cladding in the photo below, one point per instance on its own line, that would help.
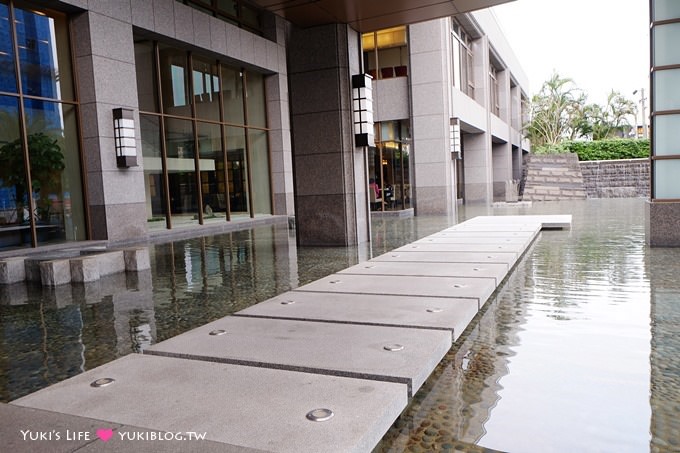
(627, 178)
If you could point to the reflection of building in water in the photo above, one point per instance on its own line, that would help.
(461, 393)
(202, 279)
(54, 333)
(665, 357)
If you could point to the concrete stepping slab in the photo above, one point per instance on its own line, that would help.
(424, 247)
(546, 221)
(508, 259)
(315, 347)
(68, 433)
(257, 408)
(487, 270)
(465, 239)
(483, 227)
(477, 234)
(396, 311)
(402, 285)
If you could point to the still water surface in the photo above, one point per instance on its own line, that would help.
(576, 352)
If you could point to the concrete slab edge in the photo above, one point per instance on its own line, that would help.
(284, 367)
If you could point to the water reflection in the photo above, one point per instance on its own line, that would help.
(562, 359)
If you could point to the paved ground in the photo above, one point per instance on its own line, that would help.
(326, 367)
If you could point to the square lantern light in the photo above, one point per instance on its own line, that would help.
(454, 140)
(124, 137)
(362, 97)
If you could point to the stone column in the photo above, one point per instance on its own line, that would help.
(502, 168)
(330, 172)
(435, 189)
(478, 168)
(105, 58)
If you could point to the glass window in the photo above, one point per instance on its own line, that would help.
(250, 17)
(666, 49)
(666, 132)
(174, 88)
(54, 157)
(44, 55)
(666, 94)
(211, 165)
(389, 168)
(51, 196)
(237, 169)
(206, 84)
(386, 53)
(8, 81)
(259, 153)
(232, 91)
(257, 114)
(14, 208)
(147, 90)
(665, 179)
(493, 86)
(179, 142)
(228, 7)
(150, 127)
(220, 183)
(666, 9)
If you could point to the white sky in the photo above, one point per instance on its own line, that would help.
(600, 44)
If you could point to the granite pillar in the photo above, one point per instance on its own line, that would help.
(330, 172)
(663, 219)
(105, 66)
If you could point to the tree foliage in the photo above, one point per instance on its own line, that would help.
(557, 112)
(560, 112)
(46, 161)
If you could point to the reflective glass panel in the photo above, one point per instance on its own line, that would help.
(666, 49)
(8, 82)
(44, 55)
(237, 169)
(257, 114)
(250, 17)
(54, 156)
(147, 92)
(666, 132)
(259, 155)
(153, 170)
(211, 165)
(232, 90)
(14, 210)
(206, 85)
(666, 94)
(174, 81)
(666, 179)
(179, 138)
(227, 6)
(666, 9)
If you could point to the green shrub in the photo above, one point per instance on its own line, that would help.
(601, 149)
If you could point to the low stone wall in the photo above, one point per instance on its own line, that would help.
(616, 178)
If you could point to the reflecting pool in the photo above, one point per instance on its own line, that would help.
(577, 351)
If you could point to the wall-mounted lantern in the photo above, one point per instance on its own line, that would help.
(454, 140)
(124, 137)
(362, 97)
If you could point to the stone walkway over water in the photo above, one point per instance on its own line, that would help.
(326, 367)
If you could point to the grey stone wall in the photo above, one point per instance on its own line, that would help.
(553, 177)
(616, 178)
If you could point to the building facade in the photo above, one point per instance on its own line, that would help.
(449, 96)
(242, 112)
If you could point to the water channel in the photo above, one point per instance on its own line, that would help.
(576, 351)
